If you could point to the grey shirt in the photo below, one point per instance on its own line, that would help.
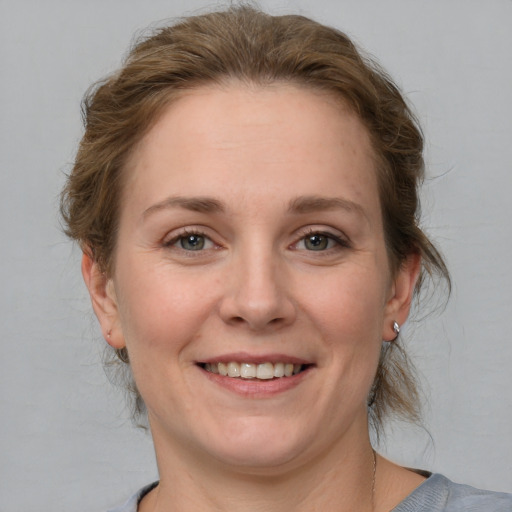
(436, 494)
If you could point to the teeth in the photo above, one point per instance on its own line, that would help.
(247, 371)
(279, 370)
(214, 368)
(223, 369)
(233, 370)
(263, 371)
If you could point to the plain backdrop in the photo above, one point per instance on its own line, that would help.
(66, 442)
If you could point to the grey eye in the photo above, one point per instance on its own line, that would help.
(316, 242)
(192, 242)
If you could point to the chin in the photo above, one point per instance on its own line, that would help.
(258, 459)
(259, 445)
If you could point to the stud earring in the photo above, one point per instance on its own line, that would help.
(396, 329)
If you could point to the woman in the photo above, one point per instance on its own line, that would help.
(245, 196)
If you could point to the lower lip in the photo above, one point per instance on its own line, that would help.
(256, 388)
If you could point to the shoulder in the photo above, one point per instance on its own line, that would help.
(132, 503)
(438, 494)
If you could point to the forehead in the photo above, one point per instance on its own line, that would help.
(239, 133)
(301, 109)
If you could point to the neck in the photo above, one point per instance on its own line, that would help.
(342, 480)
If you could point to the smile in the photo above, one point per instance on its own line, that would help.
(262, 371)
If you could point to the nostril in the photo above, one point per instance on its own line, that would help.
(256, 323)
(255, 310)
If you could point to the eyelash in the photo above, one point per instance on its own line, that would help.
(187, 232)
(340, 243)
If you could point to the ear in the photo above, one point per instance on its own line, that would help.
(402, 292)
(104, 301)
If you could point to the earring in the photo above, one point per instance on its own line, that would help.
(396, 328)
(109, 333)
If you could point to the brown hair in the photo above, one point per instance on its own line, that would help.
(248, 45)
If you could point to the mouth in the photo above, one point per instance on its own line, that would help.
(254, 371)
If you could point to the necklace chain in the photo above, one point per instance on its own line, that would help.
(374, 478)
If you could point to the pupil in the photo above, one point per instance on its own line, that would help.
(192, 242)
(317, 242)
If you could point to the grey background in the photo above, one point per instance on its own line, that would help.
(65, 440)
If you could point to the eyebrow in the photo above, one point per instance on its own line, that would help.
(194, 204)
(299, 205)
(309, 204)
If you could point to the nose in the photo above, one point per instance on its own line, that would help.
(257, 293)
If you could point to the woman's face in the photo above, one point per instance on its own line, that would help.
(251, 241)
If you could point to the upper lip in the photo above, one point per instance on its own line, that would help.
(245, 357)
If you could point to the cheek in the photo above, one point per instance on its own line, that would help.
(349, 312)
(162, 310)
(350, 303)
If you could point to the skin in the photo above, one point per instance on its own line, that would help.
(262, 158)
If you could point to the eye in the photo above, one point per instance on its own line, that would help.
(318, 241)
(191, 242)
